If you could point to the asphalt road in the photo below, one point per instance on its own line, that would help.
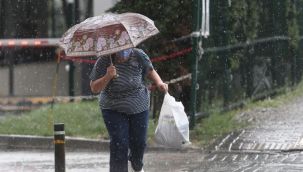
(92, 161)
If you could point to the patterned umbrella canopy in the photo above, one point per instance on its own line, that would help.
(107, 34)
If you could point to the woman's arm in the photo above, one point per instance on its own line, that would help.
(100, 84)
(154, 76)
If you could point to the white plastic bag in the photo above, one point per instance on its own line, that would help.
(173, 126)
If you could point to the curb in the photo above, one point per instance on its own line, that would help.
(46, 143)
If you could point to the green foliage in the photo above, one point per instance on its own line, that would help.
(240, 22)
(299, 10)
(231, 71)
(237, 23)
(172, 17)
(292, 24)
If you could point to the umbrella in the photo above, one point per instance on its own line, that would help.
(107, 34)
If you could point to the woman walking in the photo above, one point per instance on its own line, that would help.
(124, 103)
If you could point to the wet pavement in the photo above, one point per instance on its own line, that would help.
(274, 143)
(252, 162)
(88, 161)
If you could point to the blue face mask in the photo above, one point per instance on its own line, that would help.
(124, 53)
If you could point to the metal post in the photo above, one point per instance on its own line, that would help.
(59, 141)
(53, 20)
(11, 72)
(2, 17)
(223, 41)
(9, 58)
(194, 66)
(71, 22)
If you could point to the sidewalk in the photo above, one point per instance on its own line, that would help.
(46, 143)
(272, 129)
(273, 142)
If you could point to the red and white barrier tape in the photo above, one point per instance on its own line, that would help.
(53, 42)
(181, 78)
(30, 42)
(171, 56)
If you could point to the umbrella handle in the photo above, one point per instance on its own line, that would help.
(111, 62)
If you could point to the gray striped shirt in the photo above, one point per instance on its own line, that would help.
(126, 93)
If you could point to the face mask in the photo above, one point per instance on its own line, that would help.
(124, 53)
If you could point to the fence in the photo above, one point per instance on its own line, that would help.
(228, 76)
(231, 75)
(254, 70)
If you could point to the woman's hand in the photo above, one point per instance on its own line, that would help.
(153, 75)
(111, 71)
(163, 87)
(100, 84)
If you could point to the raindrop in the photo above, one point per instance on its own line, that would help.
(67, 68)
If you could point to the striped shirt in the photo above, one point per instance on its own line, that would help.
(127, 93)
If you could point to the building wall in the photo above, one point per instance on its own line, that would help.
(100, 6)
(4, 86)
(36, 79)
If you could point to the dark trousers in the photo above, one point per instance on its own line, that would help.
(127, 139)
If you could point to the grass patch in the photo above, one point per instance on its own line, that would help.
(81, 119)
(289, 94)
